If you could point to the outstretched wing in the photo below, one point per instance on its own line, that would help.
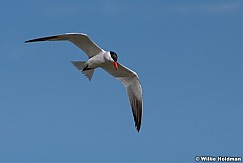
(131, 82)
(79, 39)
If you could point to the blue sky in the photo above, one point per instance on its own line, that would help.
(188, 55)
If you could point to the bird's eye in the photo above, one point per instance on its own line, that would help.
(114, 56)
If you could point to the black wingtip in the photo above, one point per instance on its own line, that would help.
(49, 38)
(138, 128)
(34, 40)
(31, 41)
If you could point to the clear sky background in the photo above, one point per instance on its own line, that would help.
(188, 55)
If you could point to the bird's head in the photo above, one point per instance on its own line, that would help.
(114, 59)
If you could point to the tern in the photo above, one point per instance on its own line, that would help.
(107, 60)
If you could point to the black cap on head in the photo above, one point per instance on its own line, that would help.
(114, 56)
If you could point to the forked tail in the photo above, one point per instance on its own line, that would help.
(80, 65)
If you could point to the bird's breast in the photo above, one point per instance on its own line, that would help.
(97, 60)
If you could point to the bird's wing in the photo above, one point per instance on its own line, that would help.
(79, 39)
(131, 81)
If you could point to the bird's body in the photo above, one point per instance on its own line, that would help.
(108, 61)
(98, 60)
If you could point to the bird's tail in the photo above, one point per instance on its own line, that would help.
(80, 65)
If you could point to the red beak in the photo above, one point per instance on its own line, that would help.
(115, 65)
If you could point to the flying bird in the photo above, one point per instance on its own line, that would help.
(107, 60)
